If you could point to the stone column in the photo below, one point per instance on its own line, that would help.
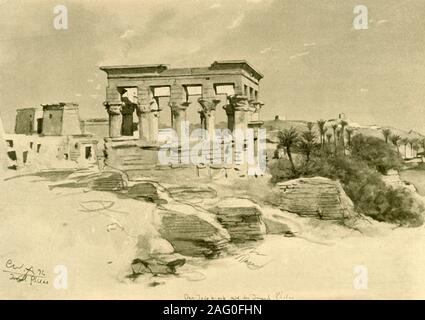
(143, 115)
(242, 111)
(115, 118)
(257, 105)
(208, 112)
(153, 121)
(178, 113)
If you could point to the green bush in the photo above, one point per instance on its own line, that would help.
(281, 170)
(376, 153)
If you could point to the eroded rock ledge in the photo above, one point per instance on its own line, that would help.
(316, 197)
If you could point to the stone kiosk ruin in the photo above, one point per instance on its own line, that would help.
(226, 87)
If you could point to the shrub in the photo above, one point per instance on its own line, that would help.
(398, 206)
(376, 153)
(281, 170)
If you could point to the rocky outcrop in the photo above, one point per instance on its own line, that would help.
(191, 193)
(108, 181)
(160, 264)
(145, 191)
(241, 218)
(314, 197)
(192, 231)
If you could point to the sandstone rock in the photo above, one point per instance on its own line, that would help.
(159, 264)
(275, 226)
(191, 231)
(149, 245)
(108, 181)
(281, 222)
(241, 218)
(314, 197)
(189, 193)
(145, 191)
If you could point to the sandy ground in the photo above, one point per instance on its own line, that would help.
(43, 228)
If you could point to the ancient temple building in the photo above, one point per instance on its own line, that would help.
(29, 121)
(146, 90)
(158, 95)
(61, 119)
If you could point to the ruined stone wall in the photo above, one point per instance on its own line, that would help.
(70, 122)
(25, 121)
(52, 122)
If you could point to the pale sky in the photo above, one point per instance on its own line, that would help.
(315, 64)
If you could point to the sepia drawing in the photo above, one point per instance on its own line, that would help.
(247, 149)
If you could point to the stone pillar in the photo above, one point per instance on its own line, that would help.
(242, 111)
(115, 118)
(178, 113)
(143, 115)
(154, 121)
(208, 114)
(257, 105)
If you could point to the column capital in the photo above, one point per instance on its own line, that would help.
(113, 108)
(256, 105)
(178, 107)
(208, 105)
(239, 102)
(152, 106)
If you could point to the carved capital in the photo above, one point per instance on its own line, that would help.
(177, 108)
(113, 108)
(256, 105)
(239, 102)
(208, 105)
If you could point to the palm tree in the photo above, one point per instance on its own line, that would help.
(343, 124)
(386, 133)
(395, 139)
(307, 144)
(334, 127)
(338, 136)
(329, 137)
(287, 139)
(349, 135)
(310, 126)
(322, 130)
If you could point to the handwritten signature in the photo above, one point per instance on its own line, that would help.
(253, 259)
(25, 273)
